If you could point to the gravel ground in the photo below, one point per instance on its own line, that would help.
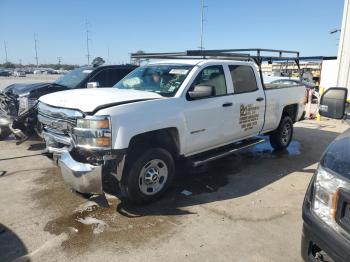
(246, 207)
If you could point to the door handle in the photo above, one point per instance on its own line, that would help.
(259, 99)
(227, 104)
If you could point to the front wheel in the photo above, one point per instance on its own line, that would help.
(147, 176)
(4, 132)
(282, 136)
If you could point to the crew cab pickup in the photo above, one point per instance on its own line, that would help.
(195, 110)
(18, 101)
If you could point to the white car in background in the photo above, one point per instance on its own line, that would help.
(19, 73)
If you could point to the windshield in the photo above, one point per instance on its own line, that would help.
(74, 77)
(162, 79)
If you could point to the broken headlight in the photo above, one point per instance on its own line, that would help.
(93, 132)
(326, 194)
(22, 104)
(25, 103)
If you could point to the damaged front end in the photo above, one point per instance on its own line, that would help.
(17, 115)
(81, 146)
(8, 112)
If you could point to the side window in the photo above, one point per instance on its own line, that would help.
(212, 76)
(100, 77)
(117, 74)
(109, 77)
(243, 79)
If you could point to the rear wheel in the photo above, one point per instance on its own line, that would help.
(4, 132)
(147, 176)
(282, 136)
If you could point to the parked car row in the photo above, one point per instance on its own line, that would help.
(22, 72)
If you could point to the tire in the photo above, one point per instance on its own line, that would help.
(4, 132)
(147, 176)
(282, 136)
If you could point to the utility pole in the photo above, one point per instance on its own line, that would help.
(5, 47)
(59, 60)
(202, 24)
(87, 41)
(36, 51)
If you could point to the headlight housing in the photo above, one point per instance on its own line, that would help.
(325, 198)
(25, 103)
(93, 132)
(22, 104)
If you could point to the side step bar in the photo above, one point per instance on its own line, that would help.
(221, 152)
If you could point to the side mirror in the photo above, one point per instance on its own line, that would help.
(333, 103)
(201, 91)
(92, 84)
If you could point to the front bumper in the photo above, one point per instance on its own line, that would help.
(317, 233)
(82, 177)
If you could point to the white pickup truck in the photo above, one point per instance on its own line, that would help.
(194, 110)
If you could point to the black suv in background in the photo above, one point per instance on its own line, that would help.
(326, 208)
(17, 101)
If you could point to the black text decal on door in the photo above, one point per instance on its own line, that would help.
(248, 116)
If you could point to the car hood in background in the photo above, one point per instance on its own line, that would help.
(87, 100)
(337, 155)
(19, 89)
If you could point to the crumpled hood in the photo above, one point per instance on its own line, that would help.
(22, 88)
(87, 100)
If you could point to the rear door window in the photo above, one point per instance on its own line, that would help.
(243, 79)
(109, 77)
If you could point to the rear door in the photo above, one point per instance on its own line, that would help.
(248, 101)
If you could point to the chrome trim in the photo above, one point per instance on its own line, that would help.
(91, 133)
(84, 178)
(57, 138)
(54, 124)
(57, 112)
(55, 150)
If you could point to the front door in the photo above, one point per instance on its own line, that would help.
(208, 122)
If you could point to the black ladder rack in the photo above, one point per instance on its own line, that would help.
(257, 55)
(248, 54)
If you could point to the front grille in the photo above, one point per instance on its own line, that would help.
(57, 120)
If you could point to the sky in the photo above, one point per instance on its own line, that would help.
(123, 27)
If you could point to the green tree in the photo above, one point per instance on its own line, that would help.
(9, 65)
(98, 61)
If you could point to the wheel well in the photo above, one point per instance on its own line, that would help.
(291, 111)
(167, 138)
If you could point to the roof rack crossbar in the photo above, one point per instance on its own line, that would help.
(228, 54)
